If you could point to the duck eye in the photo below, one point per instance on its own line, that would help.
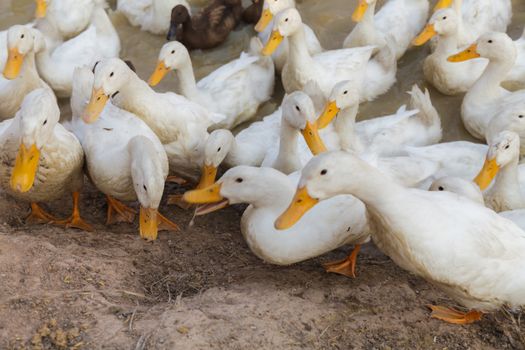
(445, 17)
(441, 188)
(172, 51)
(324, 171)
(45, 122)
(286, 19)
(346, 92)
(520, 116)
(490, 41)
(239, 180)
(22, 36)
(507, 147)
(219, 149)
(298, 109)
(111, 74)
(145, 188)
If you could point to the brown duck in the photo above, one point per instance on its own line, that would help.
(253, 12)
(207, 29)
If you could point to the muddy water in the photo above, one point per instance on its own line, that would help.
(330, 19)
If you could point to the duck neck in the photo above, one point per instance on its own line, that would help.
(345, 127)
(488, 85)
(187, 83)
(375, 189)
(298, 54)
(137, 97)
(29, 70)
(287, 160)
(447, 45)
(507, 182)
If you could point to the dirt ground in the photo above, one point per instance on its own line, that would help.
(201, 288)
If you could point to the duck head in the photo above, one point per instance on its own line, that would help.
(459, 186)
(21, 41)
(298, 112)
(217, 147)
(148, 181)
(38, 116)
(503, 150)
(179, 15)
(345, 94)
(110, 76)
(286, 23)
(270, 9)
(173, 55)
(242, 184)
(443, 22)
(325, 176)
(497, 47)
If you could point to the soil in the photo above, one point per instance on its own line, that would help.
(201, 288)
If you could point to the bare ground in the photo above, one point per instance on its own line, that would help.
(201, 288)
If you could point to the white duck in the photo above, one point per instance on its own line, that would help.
(477, 17)
(181, 125)
(20, 75)
(486, 98)
(329, 67)
(236, 89)
(56, 63)
(69, 17)
(270, 9)
(40, 160)
(125, 159)
(397, 22)
(483, 270)
(150, 15)
(501, 166)
(448, 77)
(471, 190)
(387, 135)
(339, 221)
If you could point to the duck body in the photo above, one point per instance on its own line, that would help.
(58, 60)
(397, 22)
(252, 13)
(482, 270)
(207, 29)
(59, 168)
(150, 15)
(338, 222)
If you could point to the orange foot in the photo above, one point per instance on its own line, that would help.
(166, 224)
(454, 316)
(75, 220)
(123, 212)
(176, 199)
(39, 215)
(346, 266)
(176, 179)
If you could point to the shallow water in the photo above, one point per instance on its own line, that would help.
(330, 19)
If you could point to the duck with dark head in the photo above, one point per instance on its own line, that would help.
(252, 13)
(207, 29)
